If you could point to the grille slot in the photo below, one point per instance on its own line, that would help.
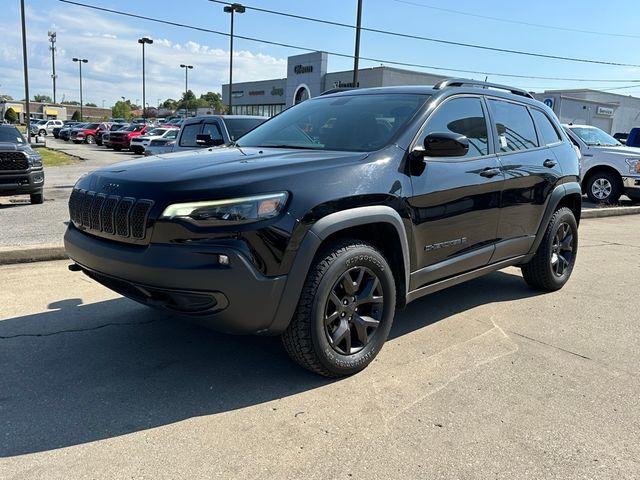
(13, 161)
(123, 219)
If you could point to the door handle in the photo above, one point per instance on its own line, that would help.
(489, 172)
(549, 163)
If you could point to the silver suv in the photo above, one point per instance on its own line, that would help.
(45, 127)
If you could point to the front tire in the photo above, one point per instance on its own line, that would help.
(345, 311)
(553, 262)
(604, 187)
(90, 139)
(42, 133)
(37, 198)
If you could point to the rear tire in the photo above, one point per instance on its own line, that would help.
(604, 187)
(42, 133)
(552, 264)
(345, 310)
(37, 198)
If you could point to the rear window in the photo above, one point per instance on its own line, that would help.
(11, 135)
(546, 130)
(515, 126)
(239, 126)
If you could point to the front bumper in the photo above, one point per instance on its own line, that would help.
(19, 183)
(632, 185)
(186, 279)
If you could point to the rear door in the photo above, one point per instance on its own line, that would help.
(456, 200)
(531, 172)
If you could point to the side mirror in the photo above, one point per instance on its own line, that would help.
(205, 140)
(445, 144)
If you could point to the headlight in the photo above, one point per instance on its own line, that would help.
(35, 160)
(235, 211)
(634, 165)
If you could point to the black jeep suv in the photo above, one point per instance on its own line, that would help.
(323, 220)
(21, 171)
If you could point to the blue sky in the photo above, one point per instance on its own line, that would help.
(114, 69)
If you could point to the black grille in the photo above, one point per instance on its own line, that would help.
(120, 218)
(13, 161)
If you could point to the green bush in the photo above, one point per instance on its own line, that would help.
(10, 115)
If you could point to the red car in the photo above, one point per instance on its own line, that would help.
(88, 132)
(121, 139)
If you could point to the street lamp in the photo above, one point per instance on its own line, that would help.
(233, 8)
(186, 77)
(142, 41)
(80, 62)
(52, 40)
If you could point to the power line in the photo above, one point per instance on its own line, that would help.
(435, 40)
(517, 22)
(343, 55)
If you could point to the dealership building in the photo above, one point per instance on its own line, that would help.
(307, 76)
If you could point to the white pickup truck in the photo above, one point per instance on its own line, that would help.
(609, 169)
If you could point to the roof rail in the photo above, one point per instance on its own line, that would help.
(459, 82)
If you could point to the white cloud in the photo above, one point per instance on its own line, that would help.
(115, 66)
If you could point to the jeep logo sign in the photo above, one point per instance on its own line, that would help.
(299, 69)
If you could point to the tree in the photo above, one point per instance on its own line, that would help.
(5, 98)
(90, 104)
(170, 104)
(214, 100)
(188, 101)
(121, 110)
(10, 115)
(76, 116)
(70, 102)
(42, 99)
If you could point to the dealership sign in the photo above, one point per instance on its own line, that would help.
(299, 69)
(606, 111)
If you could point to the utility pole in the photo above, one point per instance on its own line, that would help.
(356, 56)
(26, 72)
(52, 40)
(233, 8)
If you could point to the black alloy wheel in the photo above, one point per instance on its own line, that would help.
(562, 249)
(353, 311)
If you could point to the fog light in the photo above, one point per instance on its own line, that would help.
(223, 260)
(37, 179)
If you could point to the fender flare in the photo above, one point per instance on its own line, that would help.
(311, 242)
(558, 193)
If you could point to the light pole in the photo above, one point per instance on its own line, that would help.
(233, 8)
(26, 72)
(186, 77)
(52, 39)
(80, 62)
(142, 41)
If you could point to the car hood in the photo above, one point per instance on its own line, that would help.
(196, 173)
(14, 147)
(621, 151)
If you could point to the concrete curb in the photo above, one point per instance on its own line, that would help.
(31, 253)
(610, 212)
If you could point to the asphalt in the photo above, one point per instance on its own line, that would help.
(486, 380)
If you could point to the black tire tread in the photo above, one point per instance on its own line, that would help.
(297, 337)
(536, 272)
(616, 184)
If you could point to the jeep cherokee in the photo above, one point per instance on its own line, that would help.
(320, 222)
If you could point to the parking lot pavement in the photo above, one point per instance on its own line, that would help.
(485, 380)
(24, 224)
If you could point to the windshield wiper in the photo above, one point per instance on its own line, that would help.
(297, 147)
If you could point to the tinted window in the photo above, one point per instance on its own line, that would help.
(11, 135)
(189, 132)
(345, 122)
(514, 125)
(239, 126)
(463, 116)
(546, 130)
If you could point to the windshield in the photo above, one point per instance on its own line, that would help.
(239, 126)
(157, 131)
(352, 123)
(172, 133)
(593, 136)
(11, 135)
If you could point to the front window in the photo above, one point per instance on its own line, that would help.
(594, 137)
(347, 122)
(239, 126)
